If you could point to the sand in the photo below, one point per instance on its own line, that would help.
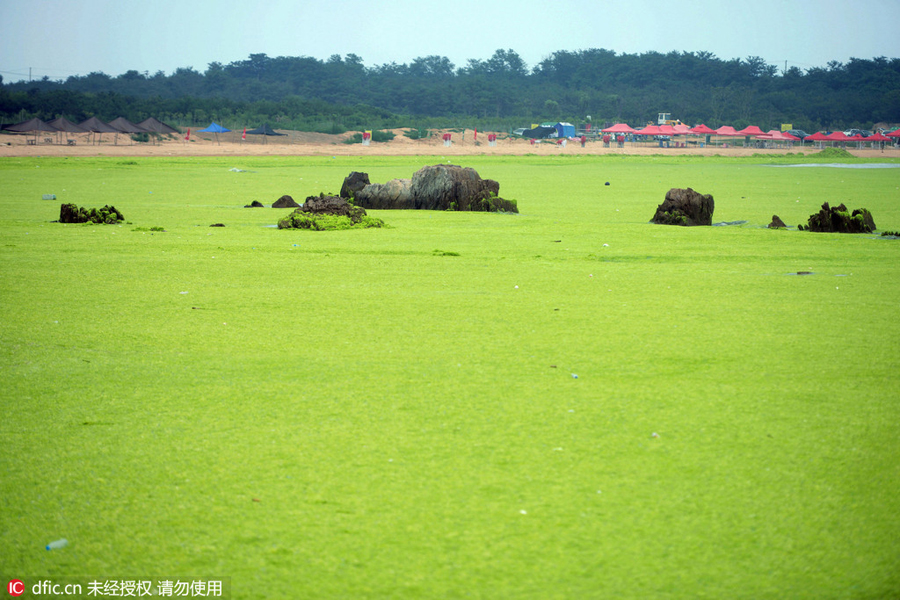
(319, 144)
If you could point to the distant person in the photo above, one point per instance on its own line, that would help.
(606, 139)
(583, 140)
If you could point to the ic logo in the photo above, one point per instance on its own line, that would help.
(15, 588)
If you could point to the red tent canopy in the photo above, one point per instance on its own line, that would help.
(702, 130)
(893, 133)
(817, 137)
(751, 130)
(837, 136)
(772, 134)
(667, 130)
(618, 128)
(788, 136)
(727, 130)
(650, 130)
(878, 137)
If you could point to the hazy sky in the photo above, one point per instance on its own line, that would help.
(58, 38)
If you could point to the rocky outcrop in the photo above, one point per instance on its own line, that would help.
(438, 187)
(451, 187)
(685, 207)
(254, 204)
(395, 194)
(838, 219)
(353, 183)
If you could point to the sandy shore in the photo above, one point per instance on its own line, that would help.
(318, 144)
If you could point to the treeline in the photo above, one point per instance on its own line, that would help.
(499, 93)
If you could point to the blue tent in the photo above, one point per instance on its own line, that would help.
(565, 130)
(214, 128)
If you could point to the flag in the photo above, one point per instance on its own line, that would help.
(187, 136)
(475, 137)
(244, 134)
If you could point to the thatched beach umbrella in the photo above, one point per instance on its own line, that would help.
(123, 125)
(63, 125)
(31, 126)
(95, 125)
(156, 126)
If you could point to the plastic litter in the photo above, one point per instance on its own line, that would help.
(56, 545)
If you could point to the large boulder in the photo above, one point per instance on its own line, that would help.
(838, 219)
(353, 183)
(685, 207)
(395, 194)
(451, 187)
(438, 187)
(285, 202)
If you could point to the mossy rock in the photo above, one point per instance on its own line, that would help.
(839, 219)
(71, 213)
(322, 212)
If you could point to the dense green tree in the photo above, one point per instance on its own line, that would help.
(341, 92)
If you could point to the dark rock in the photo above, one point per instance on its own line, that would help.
(866, 216)
(70, 213)
(285, 202)
(218, 225)
(685, 207)
(353, 183)
(255, 204)
(332, 205)
(838, 219)
(776, 223)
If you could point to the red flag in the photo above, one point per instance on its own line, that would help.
(475, 137)
(187, 136)
(244, 135)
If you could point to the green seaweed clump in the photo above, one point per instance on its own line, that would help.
(833, 153)
(325, 222)
(672, 217)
